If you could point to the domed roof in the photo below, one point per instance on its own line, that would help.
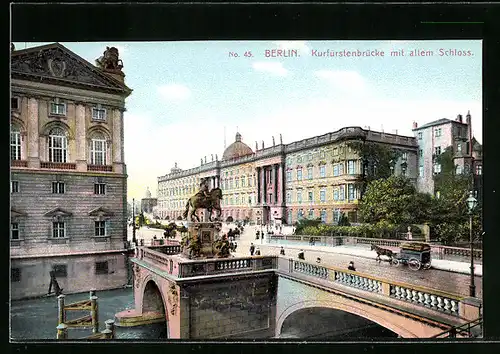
(237, 149)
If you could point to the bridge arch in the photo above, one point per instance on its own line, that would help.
(153, 300)
(352, 308)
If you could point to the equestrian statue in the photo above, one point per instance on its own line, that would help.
(204, 199)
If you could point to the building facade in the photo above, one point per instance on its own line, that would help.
(433, 138)
(148, 203)
(312, 178)
(68, 175)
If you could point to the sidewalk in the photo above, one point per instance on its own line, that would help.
(450, 266)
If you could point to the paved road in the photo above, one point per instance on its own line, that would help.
(454, 283)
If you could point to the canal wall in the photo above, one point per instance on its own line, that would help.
(30, 277)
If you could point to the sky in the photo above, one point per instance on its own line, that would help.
(190, 96)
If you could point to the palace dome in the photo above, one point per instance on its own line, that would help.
(237, 149)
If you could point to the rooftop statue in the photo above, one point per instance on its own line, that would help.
(110, 60)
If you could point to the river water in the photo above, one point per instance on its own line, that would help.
(36, 319)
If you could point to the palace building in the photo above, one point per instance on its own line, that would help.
(68, 175)
(316, 177)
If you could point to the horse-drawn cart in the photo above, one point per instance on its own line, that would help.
(416, 255)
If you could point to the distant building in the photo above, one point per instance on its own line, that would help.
(148, 203)
(434, 137)
(316, 177)
(68, 176)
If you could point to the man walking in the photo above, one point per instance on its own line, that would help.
(252, 249)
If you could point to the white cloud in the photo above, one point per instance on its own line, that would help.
(343, 79)
(174, 92)
(270, 67)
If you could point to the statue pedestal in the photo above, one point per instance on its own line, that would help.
(199, 243)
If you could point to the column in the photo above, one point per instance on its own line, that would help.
(117, 141)
(274, 181)
(257, 201)
(263, 184)
(281, 189)
(80, 135)
(33, 133)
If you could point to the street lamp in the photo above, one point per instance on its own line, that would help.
(471, 205)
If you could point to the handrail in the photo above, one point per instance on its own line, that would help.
(464, 329)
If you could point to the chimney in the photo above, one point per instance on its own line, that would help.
(415, 125)
(459, 118)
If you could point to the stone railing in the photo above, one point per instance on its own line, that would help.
(438, 251)
(319, 240)
(442, 251)
(58, 165)
(19, 163)
(425, 297)
(100, 168)
(221, 266)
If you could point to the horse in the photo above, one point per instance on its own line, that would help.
(382, 252)
(197, 201)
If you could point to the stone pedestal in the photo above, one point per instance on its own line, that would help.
(199, 242)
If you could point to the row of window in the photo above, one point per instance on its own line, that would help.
(101, 229)
(338, 194)
(311, 215)
(60, 187)
(61, 271)
(309, 157)
(59, 108)
(338, 170)
(58, 146)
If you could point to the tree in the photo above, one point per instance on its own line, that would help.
(378, 160)
(394, 200)
(449, 213)
(343, 220)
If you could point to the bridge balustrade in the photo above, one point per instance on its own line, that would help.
(425, 297)
(220, 266)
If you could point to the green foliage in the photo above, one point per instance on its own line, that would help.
(377, 159)
(303, 223)
(379, 230)
(450, 217)
(343, 220)
(393, 200)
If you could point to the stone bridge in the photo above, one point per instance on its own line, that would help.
(252, 297)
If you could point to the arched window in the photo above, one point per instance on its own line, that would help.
(98, 149)
(15, 143)
(58, 145)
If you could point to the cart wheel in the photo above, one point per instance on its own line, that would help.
(395, 261)
(414, 264)
(427, 265)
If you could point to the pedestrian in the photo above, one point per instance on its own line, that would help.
(257, 252)
(318, 260)
(252, 249)
(235, 246)
(257, 234)
(301, 255)
(282, 251)
(351, 266)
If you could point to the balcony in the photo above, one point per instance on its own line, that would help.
(18, 163)
(58, 165)
(100, 168)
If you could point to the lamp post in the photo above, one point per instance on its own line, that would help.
(134, 240)
(471, 205)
